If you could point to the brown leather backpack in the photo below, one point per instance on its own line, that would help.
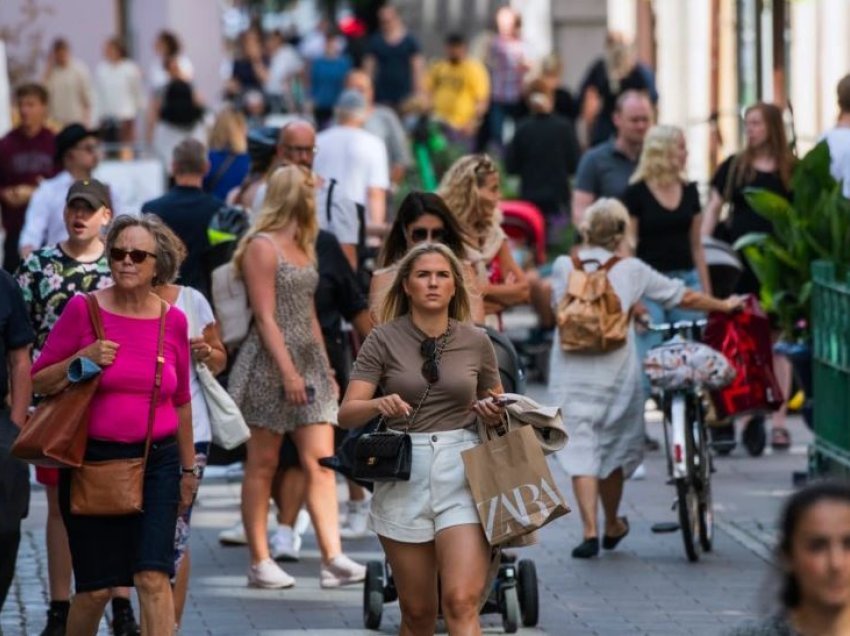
(590, 317)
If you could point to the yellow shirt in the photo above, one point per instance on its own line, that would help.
(456, 89)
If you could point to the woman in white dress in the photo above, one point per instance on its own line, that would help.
(600, 394)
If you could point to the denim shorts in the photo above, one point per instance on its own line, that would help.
(109, 551)
(437, 495)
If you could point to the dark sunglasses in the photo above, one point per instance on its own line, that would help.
(430, 368)
(420, 234)
(137, 256)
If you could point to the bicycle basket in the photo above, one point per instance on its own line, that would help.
(681, 364)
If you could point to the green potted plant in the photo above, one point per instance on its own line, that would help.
(815, 225)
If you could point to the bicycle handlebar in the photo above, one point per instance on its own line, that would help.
(680, 326)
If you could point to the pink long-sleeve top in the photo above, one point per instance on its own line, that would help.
(119, 409)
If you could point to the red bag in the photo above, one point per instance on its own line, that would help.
(744, 338)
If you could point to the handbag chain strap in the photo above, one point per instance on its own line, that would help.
(425, 393)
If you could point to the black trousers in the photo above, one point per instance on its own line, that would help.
(9, 543)
(14, 501)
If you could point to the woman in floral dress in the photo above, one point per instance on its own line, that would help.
(49, 278)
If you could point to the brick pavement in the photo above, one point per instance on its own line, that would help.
(645, 587)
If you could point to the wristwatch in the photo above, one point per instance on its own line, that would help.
(194, 470)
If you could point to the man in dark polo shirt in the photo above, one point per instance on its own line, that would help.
(604, 170)
(187, 210)
(16, 337)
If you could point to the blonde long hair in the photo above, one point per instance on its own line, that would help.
(396, 303)
(229, 132)
(459, 189)
(291, 196)
(657, 161)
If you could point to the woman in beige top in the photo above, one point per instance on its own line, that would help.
(471, 188)
(437, 373)
(422, 217)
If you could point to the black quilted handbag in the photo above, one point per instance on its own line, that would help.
(387, 455)
(383, 456)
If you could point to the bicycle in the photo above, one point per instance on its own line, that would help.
(689, 466)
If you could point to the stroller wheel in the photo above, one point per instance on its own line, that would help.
(723, 438)
(529, 603)
(754, 436)
(373, 595)
(510, 609)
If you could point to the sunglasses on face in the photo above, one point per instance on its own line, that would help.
(420, 234)
(430, 368)
(137, 256)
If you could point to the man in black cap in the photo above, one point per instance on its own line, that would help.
(77, 152)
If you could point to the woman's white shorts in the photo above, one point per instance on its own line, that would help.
(437, 495)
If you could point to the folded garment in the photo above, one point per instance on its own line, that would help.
(82, 369)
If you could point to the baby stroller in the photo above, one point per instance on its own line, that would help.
(524, 224)
(514, 592)
(724, 269)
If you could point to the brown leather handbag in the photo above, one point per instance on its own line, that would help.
(115, 487)
(55, 436)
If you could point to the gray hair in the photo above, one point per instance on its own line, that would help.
(170, 250)
(189, 157)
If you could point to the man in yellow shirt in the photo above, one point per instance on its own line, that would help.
(459, 89)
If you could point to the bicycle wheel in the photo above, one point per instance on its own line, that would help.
(686, 487)
(688, 506)
(706, 503)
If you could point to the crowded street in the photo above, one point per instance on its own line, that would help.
(409, 317)
(649, 588)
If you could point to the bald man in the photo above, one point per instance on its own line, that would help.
(384, 122)
(605, 169)
(336, 213)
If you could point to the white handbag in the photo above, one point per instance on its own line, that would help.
(227, 425)
(230, 299)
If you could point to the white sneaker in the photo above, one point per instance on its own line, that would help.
(639, 474)
(268, 575)
(341, 571)
(356, 523)
(234, 535)
(285, 544)
(302, 522)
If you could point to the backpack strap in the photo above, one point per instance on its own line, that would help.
(329, 203)
(578, 265)
(610, 263)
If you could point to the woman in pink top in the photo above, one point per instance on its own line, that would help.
(136, 549)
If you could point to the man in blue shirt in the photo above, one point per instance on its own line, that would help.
(187, 210)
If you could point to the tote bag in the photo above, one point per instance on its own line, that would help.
(227, 425)
(512, 485)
